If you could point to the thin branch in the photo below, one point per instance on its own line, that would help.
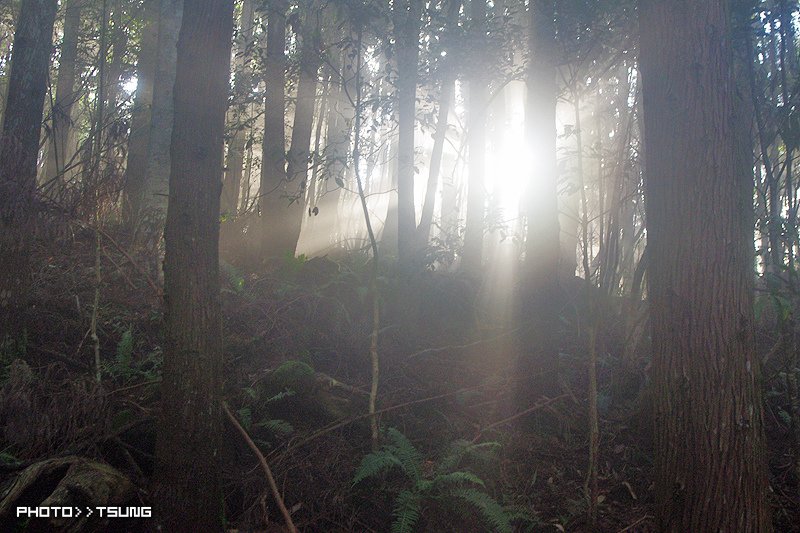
(261, 459)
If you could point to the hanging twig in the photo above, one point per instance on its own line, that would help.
(261, 459)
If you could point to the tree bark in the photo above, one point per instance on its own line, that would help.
(541, 296)
(158, 156)
(187, 486)
(406, 21)
(242, 87)
(299, 150)
(19, 149)
(138, 142)
(273, 201)
(710, 472)
(478, 98)
(65, 96)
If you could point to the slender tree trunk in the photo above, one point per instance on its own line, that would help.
(242, 86)
(406, 20)
(439, 137)
(138, 142)
(273, 201)
(57, 155)
(158, 156)
(709, 446)
(19, 149)
(187, 486)
(298, 157)
(478, 98)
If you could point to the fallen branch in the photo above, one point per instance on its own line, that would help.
(261, 459)
(518, 415)
(337, 425)
(462, 346)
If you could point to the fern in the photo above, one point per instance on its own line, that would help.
(376, 463)
(280, 427)
(408, 456)
(123, 361)
(246, 417)
(493, 513)
(457, 478)
(407, 508)
(445, 484)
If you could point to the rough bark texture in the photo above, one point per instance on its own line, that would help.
(406, 20)
(58, 154)
(19, 148)
(187, 490)
(478, 97)
(138, 142)
(274, 202)
(158, 157)
(709, 446)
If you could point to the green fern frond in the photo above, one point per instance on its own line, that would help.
(279, 427)
(125, 349)
(375, 463)
(280, 396)
(407, 507)
(409, 457)
(245, 417)
(455, 478)
(492, 512)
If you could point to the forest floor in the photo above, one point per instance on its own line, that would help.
(296, 374)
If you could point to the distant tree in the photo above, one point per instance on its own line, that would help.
(158, 157)
(238, 114)
(138, 143)
(61, 128)
(187, 487)
(406, 23)
(710, 471)
(297, 158)
(478, 98)
(19, 147)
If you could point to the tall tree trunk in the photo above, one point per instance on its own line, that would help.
(19, 149)
(58, 152)
(406, 21)
(541, 295)
(300, 148)
(242, 87)
(187, 485)
(478, 98)
(273, 200)
(439, 137)
(710, 472)
(158, 156)
(138, 142)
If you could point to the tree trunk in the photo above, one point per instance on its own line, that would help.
(242, 87)
(478, 98)
(19, 149)
(138, 142)
(406, 21)
(273, 200)
(710, 472)
(541, 295)
(299, 150)
(57, 155)
(187, 486)
(158, 156)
